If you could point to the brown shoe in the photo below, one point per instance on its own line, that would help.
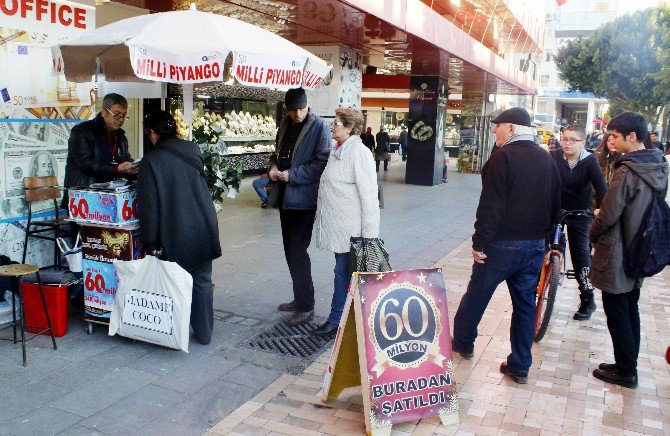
(299, 318)
(288, 307)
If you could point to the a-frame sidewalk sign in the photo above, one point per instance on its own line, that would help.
(394, 341)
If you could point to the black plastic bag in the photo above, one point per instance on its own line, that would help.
(368, 255)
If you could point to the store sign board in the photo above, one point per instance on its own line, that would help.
(55, 17)
(152, 64)
(397, 323)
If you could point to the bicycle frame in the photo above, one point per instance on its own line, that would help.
(543, 280)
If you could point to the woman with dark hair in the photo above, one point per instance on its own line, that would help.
(177, 217)
(606, 154)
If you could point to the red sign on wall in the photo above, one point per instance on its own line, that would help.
(53, 17)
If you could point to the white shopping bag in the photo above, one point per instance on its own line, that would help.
(153, 303)
(73, 254)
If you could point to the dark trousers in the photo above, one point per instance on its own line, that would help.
(580, 252)
(296, 231)
(386, 165)
(623, 322)
(518, 263)
(202, 304)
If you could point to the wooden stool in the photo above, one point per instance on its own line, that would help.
(20, 270)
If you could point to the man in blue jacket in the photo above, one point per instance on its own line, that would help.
(303, 147)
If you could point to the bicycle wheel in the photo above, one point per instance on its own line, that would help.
(545, 300)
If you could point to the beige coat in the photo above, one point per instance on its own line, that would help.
(347, 205)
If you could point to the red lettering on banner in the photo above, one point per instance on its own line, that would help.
(61, 17)
(45, 11)
(198, 72)
(270, 77)
(79, 18)
(40, 9)
(216, 70)
(26, 5)
(190, 73)
(141, 67)
(182, 73)
(173, 71)
(240, 73)
(7, 11)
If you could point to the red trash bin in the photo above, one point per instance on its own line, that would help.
(56, 297)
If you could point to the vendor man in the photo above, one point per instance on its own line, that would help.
(98, 149)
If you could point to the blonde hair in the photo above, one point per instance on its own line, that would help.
(351, 118)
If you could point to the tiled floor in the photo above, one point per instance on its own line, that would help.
(562, 397)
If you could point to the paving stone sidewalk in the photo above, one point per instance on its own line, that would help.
(96, 384)
(562, 397)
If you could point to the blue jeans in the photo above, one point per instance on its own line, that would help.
(341, 283)
(259, 185)
(518, 263)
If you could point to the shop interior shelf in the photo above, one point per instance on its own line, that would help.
(249, 138)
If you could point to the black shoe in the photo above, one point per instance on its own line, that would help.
(288, 307)
(522, 379)
(299, 318)
(607, 366)
(326, 329)
(464, 354)
(627, 381)
(264, 205)
(586, 308)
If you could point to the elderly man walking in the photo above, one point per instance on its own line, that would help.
(521, 193)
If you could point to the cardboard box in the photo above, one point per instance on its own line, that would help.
(106, 244)
(87, 205)
(100, 287)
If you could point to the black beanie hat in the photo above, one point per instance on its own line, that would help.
(295, 99)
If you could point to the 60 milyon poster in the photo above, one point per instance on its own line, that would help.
(400, 331)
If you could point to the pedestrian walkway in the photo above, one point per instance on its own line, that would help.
(561, 397)
(96, 384)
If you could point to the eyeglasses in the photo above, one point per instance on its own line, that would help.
(117, 117)
(337, 123)
(572, 140)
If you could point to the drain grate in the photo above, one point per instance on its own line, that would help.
(289, 340)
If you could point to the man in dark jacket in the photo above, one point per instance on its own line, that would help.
(177, 217)
(580, 174)
(98, 149)
(403, 140)
(655, 143)
(520, 197)
(382, 148)
(303, 147)
(637, 174)
(368, 139)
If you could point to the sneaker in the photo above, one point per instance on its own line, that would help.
(522, 379)
(586, 308)
(607, 366)
(464, 354)
(298, 318)
(613, 376)
(288, 307)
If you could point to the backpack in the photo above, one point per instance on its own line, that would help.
(649, 251)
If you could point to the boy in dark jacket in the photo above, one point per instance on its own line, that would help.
(637, 175)
(580, 173)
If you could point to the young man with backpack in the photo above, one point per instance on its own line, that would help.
(640, 177)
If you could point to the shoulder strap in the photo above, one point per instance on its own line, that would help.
(185, 160)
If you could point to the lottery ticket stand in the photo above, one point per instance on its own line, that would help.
(107, 214)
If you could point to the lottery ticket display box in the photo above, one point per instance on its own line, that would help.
(101, 245)
(108, 206)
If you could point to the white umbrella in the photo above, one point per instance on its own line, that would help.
(188, 47)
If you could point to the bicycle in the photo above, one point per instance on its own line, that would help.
(553, 273)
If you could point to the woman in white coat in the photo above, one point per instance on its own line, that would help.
(347, 205)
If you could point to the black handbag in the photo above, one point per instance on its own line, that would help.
(368, 255)
(276, 194)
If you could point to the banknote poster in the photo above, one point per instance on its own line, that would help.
(38, 109)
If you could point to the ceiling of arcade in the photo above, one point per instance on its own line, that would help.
(318, 22)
